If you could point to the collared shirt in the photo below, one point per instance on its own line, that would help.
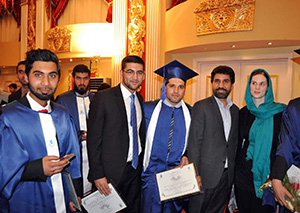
(83, 105)
(36, 106)
(127, 100)
(226, 118)
(166, 102)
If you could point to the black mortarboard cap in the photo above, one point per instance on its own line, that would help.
(175, 69)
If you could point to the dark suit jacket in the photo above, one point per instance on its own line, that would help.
(68, 100)
(108, 139)
(207, 146)
(15, 95)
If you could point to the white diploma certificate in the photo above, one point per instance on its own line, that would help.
(177, 182)
(98, 203)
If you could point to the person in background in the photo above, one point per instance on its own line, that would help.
(77, 102)
(35, 135)
(103, 86)
(168, 122)
(259, 124)
(12, 88)
(23, 80)
(116, 135)
(212, 143)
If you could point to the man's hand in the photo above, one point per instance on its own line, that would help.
(52, 165)
(102, 186)
(280, 192)
(83, 137)
(199, 181)
(72, 206)
(184, 161)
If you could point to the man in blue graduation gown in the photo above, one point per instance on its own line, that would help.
(77, 102)
(35, 133)
(167, 123)
(288, 151)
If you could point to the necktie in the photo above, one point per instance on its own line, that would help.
(135, 150)
(171, 133)
(43, 110)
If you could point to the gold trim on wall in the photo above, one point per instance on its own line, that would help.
(31, 32)
(215, 16)
(59, 39)
(136, 28)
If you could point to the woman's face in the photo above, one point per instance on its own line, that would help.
(258, 86)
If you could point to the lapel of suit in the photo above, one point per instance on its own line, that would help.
(121, 105)
(232, 122)
(216, 109)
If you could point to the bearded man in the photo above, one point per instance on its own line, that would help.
(212, 143)
(77, 102)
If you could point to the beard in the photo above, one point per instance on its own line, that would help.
(81, 90)
(221, 95)
(44, 97)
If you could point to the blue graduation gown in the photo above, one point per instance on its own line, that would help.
(289, 144)
(22, 141)
(68, 100)
(150, 201)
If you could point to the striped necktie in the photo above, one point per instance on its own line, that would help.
(135, 151)
(170, 133)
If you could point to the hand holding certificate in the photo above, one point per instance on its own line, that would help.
(99, 203)
(177, 182)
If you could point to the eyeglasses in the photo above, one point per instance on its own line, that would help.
(131, 72)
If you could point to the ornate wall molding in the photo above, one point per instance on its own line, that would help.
(31, 30)
(136, 28)
(59, 39)
(219, 16)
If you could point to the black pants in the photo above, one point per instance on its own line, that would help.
(247, 202)
(130, 188)
(212, 200)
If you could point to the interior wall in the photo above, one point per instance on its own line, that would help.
(273, 20)
(188, 59)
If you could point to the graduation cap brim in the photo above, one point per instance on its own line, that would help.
(175, 69)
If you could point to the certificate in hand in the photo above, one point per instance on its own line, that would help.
(177, 182)
(98, 203)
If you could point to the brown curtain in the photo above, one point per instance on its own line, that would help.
(55, 9)
(11, 7)
(175, 2)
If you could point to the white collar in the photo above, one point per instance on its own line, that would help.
(125, 92)
(35, 105)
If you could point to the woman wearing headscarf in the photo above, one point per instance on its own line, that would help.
(259, 125)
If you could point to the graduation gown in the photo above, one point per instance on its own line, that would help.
(158, 159)
(68, 100)
(21, 144)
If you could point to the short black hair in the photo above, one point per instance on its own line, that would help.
(223, 70)
(20, 63)
(81, 68)
(103, 86)
(40, 55)
(13, 85)
(132, 59)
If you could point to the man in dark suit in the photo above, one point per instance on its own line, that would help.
(212, 143)
(77, 102)
(23, 80)
(116, 135)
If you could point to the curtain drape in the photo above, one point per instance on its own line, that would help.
(175, 2)
(84, 11)
(55, 9)
(11, 7)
